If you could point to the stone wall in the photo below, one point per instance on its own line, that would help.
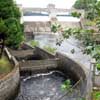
(9, 84)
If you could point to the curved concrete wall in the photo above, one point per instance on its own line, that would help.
(68, 64)
(77, 71)
(9, 84)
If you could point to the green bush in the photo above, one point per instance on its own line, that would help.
(76, 14)
(66, 85)
(55, 27)
(98, 66)
(10, 23)
(96, 95)
(83, 4)
(50, 49)
(15, 35)
(9, 9)
(34, 43)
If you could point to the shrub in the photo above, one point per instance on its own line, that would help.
(15, 35)
(96, 95)
(66, 85)
(55, 27)
(10, 14)
(76, 14)
(50, 49)
(83, 4)
(34, 43)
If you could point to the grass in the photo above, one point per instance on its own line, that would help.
(34, 43)
(90, 23)
(50, 49)
(5, 66)
(96, 95)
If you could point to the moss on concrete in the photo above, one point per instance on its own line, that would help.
(5, 65)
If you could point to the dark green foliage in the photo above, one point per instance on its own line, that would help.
(14, 34)
(93, 11)
(98, 65)
(76, 14)
(3, 35)
(66, 85)
(10, 15)
(96, 95)
(55, 27)
(3, 28)
(67, 32)
(83, 4)
(9, 9)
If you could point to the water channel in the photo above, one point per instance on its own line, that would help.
(44, 86)
(47, 86)
(66, 46)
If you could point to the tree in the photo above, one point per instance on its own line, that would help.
(14, 34)
(3, 31)
(83, 4)
(9, 9)
(10, 14)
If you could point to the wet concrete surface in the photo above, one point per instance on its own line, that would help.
(66, 46)
(48, 86)
(45, 86)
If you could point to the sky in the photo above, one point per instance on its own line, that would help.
(43, 3)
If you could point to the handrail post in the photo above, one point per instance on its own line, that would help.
(93, 68)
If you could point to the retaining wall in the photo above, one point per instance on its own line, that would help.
(38, 65)
(78, 71)
(9, 84)
(67, 63)
(43, 53)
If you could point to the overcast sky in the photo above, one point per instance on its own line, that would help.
(43, 3)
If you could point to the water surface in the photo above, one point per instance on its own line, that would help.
(45, 86)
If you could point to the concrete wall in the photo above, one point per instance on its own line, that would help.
(43, 53)
(69, 64)
(34, 65)
(9, 83)
(36, 26)
(78, 71)
(48, 9)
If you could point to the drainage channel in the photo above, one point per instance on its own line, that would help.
(45, 86)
